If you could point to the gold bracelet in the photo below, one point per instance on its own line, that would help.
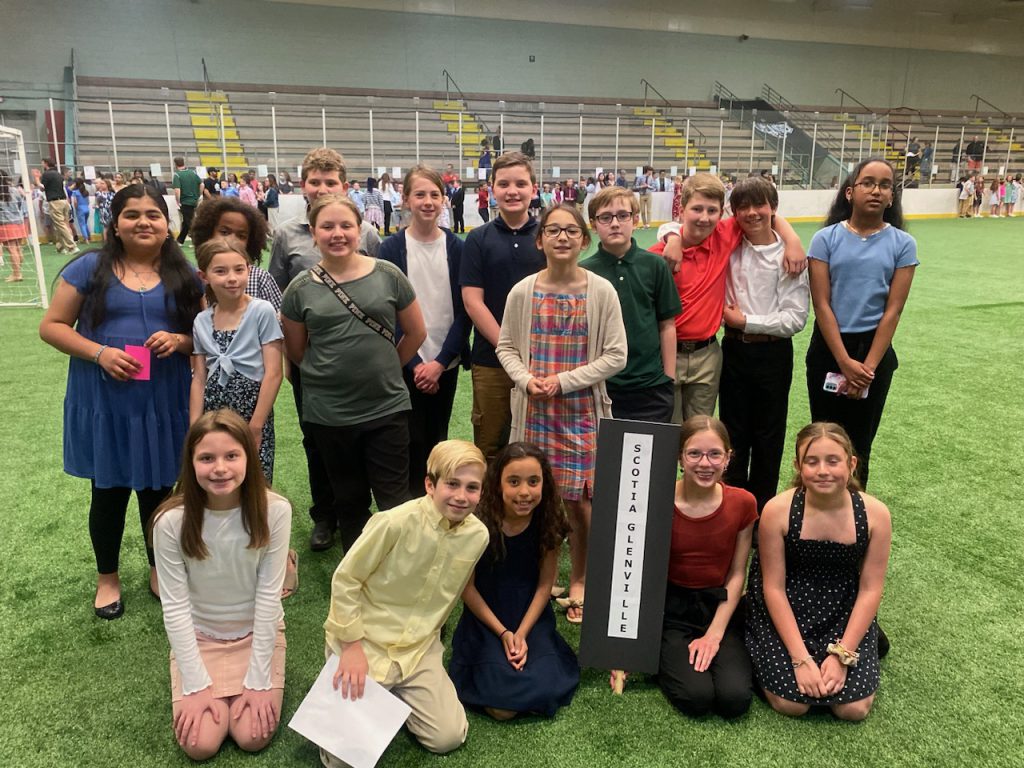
(846, 658)
(798, 664)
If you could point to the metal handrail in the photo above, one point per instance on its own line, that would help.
(647, 86)
(844, 93)
(978, 99)
(450, 81)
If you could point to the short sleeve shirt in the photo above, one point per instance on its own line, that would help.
(703, 547)
(647, 296)
(188, 182)
(350, 373)
(860, 271)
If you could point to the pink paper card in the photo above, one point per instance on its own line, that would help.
(143, 356)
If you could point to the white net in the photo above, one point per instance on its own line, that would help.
(22, 282)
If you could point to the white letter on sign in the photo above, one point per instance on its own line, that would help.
(630, 535)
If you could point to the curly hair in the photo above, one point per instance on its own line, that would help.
(554, 526)
(208, 216)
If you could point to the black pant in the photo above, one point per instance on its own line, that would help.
(187, 212)
(485, 214)
(860, 418)
(320, 490)
(360, 458)
(107, 511)
(723, 688)
(387, 217)
(428, 424)
(458, 219)
(648, 404)
(753, 403)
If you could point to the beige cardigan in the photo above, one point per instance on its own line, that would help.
(606, 347)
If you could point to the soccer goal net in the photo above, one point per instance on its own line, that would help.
(22, 283)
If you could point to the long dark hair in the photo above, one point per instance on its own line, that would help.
(549, 513)
(182, 294)
(189, 495)
(842, 209)
(208, 217)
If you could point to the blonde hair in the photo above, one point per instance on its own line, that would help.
(449, 456)
(334, 198)
(609, 195)
(324, 159)
(705, 184)
(819, 429)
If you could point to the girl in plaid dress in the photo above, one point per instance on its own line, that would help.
(561, 338)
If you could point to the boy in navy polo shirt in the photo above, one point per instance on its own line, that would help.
(496, 257)
(644, 389)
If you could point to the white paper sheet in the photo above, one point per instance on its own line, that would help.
(356, 732)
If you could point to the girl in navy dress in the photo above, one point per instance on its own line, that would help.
(124, 315)
(507, 657)
(816, 582)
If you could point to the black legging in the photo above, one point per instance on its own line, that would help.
(106, 522)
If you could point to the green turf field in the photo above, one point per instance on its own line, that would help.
(82, 692)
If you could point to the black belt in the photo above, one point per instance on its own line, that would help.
(750, 338)
(693, 346)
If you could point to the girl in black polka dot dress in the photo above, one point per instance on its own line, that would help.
(816, 582)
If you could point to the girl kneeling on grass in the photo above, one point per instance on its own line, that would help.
(816, 582)
(704, 665)
(221, 543)
(561, 338)
(507, 656)
(236, 353)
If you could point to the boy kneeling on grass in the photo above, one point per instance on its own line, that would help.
(393, 592)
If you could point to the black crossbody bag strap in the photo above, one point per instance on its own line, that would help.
(352, 307)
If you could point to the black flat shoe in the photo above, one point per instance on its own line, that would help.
(322, 537)
(112, 611)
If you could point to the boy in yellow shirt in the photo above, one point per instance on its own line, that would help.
(393, 592)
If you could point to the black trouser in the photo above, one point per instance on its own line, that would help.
(387, 217)
(187, 212)
(322, 495)
(428, 423)
(458, 219)
(860, 418)
(107, 511)
(753, 403)
(723, 688)
(485, 214)
(648, 404)
(360, 458)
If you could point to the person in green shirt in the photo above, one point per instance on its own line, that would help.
(186, 191)
(643, 390)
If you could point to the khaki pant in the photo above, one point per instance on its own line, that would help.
(438, 720)
(645, 208)
(60, 214)
(697, 377)
(965, 206)
(492, 410)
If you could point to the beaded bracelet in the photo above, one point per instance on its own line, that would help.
(96, 357)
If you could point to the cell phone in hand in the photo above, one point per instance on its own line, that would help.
(835, 381)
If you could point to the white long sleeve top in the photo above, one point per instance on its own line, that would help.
(775, 303)
(234, 591)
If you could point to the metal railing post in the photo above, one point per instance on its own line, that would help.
(113, 138)
(542, 147)
(814, 146)
(579, 155)
(170, 149)
(462, 156)
(273, 131)
(782, 159)
(686, 149)
(753, 136)
(1006, 164)
(984, 149)
(417, 136)
(654, 122)
(617, 119)
(223, 141)
(373, 164)
(842, 150)
(323, 124)
(721, 131)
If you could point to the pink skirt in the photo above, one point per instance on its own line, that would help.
(226, 663)
(11, 232)
(374, 215)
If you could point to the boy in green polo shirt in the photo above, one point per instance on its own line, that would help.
(186, 190)
(644, 389)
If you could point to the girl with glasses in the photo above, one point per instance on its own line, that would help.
(861, 265)
(704, 665)
(561, 337)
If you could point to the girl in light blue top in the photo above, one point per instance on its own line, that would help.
(861, 266)
(236, 347)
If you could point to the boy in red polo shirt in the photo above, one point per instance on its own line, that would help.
(697, 249)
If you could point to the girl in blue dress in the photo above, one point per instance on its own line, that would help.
(507, 657)
(124, 314)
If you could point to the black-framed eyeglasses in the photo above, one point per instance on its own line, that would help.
(606, 218)
(715, 456)
(553, 231)
(868, 185)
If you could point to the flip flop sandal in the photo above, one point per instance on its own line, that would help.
(569, 603)
(291, 575)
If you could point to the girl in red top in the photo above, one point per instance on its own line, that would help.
(704, 664)
(482, 200)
